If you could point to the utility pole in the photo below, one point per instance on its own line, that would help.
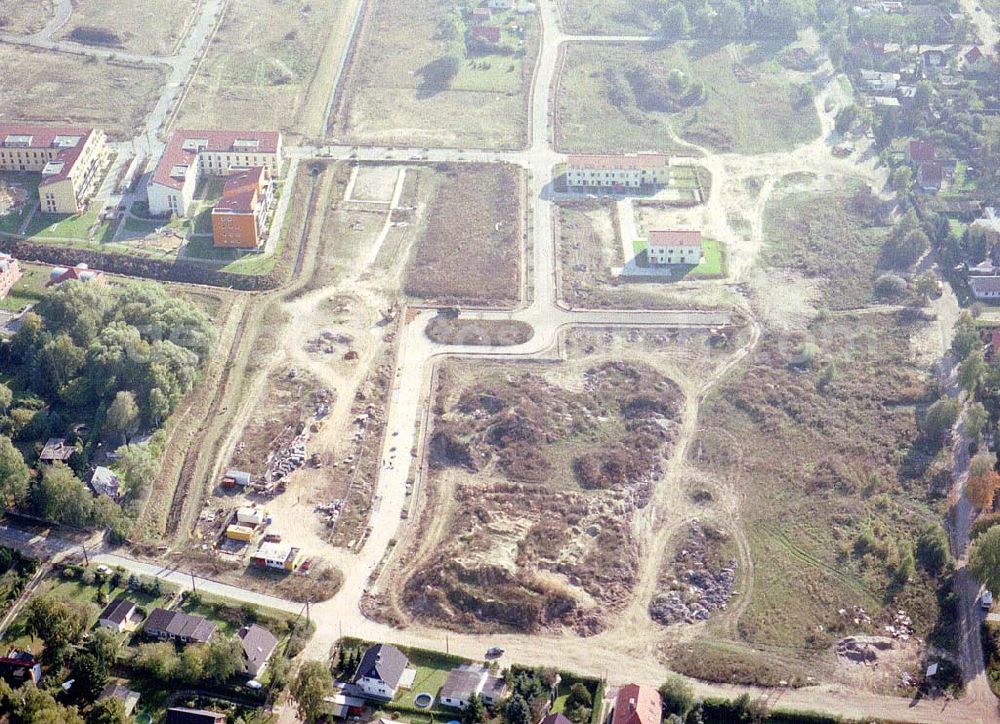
(193, 587)
(307, 611)
(86, 560)
(447, 646)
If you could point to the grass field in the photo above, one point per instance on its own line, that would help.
(18, 16)
(752, 117)
(259, 69)
(150, 27)
(469, 249)
(609, 17)
(28, 289)
(394, 95)
(114, 96)
(823, 237)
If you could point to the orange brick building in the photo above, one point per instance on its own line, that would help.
(10, 272)
(238, 218)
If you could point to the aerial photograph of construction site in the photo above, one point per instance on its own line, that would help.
(499, 361)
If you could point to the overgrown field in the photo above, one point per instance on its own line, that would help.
(628, 97)
(609, 17)
(469, 249)
(826, 237)
(18, 16)
(401, 88)
(448, 330)
(818, 435)
(150, 27)
(544, 467)
(260, 68)
(113, 96)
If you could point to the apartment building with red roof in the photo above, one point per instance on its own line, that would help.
(674, 246)
(637, 704)
(625, 170)
(191, 155)
(238, 218)
(68, 158)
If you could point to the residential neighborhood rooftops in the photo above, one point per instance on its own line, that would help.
(238, 192)
(258, 645)
(80, 272)
(487, 33)
(186, 715)
(921, 151)
(185, 145)
(674, 237)
(176, 624)
(983, 286)
(104, 481)
(556, 719)
(56, 449)
(119, 691)
(383, 662)
(70, 141)
(117, 611)
(636, 704)
(462, 682)
(619, 160)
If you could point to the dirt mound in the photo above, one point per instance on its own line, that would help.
(698, 581)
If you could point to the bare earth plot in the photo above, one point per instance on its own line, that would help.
(618, 98)
(609, 17)
(393, 94)
(151, 27)
(264, 68)
(469, 248)
(106, 94)
(19, 16)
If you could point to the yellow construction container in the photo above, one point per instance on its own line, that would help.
(239, 532)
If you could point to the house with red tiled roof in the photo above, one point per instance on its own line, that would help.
(238, 218)
(975, 61)
(191, 155)
(674, 246)
(930, 177)
(626, 170)
(637, 704)
(486, 34)
(921, 151)
(80, 273)
(68, 158)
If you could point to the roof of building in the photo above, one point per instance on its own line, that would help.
(105, 482)
(184, 146)
(80, 272)
(16, 657)
(179, 624)
(494, 687)
(462, 682)
(383, 662)
(486, 32)
(275, 551)
(984, 285)
(556, 719)
(118, 611)
(637, 704)
(921, 151)
(674, 237)
(185, 715)
(56, 449)
(619, 160)
(120, 691)
(973, 54)
(70, 141)
(930, 173)
(258, 643)
(240, 477)
(240, 191)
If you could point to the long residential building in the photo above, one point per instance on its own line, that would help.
(239, 217)
(193, 154)
(626, 170)
(67, 157)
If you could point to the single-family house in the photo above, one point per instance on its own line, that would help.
(344, 706)
(930, 177)
(466, 681)
(499, 4)
(56, 450)
(79, 273)
(637, 704)
(282, 556)
(985, 287)
(178, 626)
(10, 272)
(934, 59)
(19, 666)
(103, 481)
(234, 478)
(118, 615)
(68, 158)
(128, 698)
(488, 34)
(988, 224)
(184, 715)
(482, 13)
(920, 151)
(559, 718)
(624, 170)
(380, 672)
(674, 246)
(975, 61)
(258, 644)
(880, 81)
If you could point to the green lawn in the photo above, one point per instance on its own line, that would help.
(63, 226)
(492, 73)
(11, 223)
(28, 289)
(597, 108)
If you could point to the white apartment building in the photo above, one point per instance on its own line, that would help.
(674, 246)
(619, 170)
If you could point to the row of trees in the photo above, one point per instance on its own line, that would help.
(734, 19)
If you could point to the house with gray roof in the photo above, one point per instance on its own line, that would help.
(258, 645)
(466, 681)
(128, 697)
(178, 626)
(381, 671)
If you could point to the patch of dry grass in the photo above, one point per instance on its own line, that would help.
(24, 16)
(150, 27)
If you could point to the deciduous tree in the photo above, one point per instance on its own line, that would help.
(312, 684)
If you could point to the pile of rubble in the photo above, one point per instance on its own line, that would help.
(695, 589)
(331, 511)
(328, 342)
(901, 626)
(287, 460)
(861, 650)
(857, 614)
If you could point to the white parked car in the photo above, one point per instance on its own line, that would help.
(986, 601)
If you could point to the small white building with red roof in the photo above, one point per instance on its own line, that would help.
(674, 246)
(192, 154)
